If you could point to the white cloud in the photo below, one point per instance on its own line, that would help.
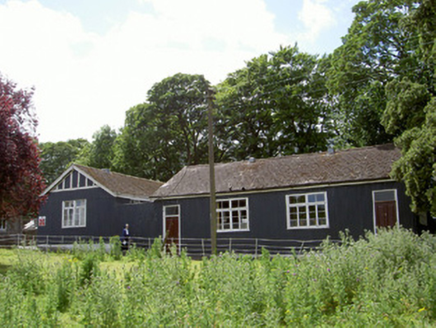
(84, 81)
(316, 17)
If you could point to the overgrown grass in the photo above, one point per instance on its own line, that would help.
(388, 280)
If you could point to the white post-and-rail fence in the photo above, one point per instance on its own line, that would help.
(194, 247)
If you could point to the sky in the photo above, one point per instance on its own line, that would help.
(89, 61)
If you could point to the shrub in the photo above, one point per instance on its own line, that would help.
(115, 248)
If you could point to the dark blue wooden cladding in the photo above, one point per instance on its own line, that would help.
(105, 215)
(350, 207)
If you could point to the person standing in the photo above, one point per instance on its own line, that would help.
(125, 238)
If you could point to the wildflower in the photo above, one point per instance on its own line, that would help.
(128, 287)
(422, 309)
(328, 269)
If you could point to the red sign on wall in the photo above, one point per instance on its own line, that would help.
(41, 221)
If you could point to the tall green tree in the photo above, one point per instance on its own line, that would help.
(243, 123)
(57, 156)
(377, 49)
(100, 152)
(277, 104)
(141, 148)
(411, 110)
(169, 131)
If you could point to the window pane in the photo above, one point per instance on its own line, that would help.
(226, 221)
(70, 217)
(301, 199)
(320, 197)
(77, 218)
(302, 215)
(322, 221)
(322, 217)
(171, 210)
(312, 211)
(82, 216)
(219, 220)
(292, 200)
(311, 198)
(382, 196)
(235, 218)
(235, 203)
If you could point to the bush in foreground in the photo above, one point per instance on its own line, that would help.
(387, 280)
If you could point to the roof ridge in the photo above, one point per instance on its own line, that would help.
(279, 157)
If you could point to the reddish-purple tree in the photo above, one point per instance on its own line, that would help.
(21, 182)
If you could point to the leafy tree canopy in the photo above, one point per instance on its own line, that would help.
(21, 182)
(411, 110)
(169, 131)
(277, 104)
(100, 152)
(377, 49)
(57, 156)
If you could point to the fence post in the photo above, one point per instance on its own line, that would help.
(256, 245)
(46, 239)
(202, 246)
(230, 244)
(302, 247)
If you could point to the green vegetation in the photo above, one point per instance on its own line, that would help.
(383, 280)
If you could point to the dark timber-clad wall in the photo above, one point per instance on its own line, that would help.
(350, 207)
(105, 215)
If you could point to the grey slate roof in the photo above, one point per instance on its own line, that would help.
(117, 184)
(345, 166)
(120, 184)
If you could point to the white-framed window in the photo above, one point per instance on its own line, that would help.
(74, 213)
(3, 225)
(232, 214)
(307, 211)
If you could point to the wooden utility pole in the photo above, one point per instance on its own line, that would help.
(213, 224)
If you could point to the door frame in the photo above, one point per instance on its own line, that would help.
(164, 223)
(397, 213)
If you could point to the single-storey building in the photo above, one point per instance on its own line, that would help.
(297, 197)
(86, 201)
(303, 197)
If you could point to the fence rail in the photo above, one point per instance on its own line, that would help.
(194, 247)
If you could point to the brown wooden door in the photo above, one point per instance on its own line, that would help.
(172, 231)
(386, 214)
